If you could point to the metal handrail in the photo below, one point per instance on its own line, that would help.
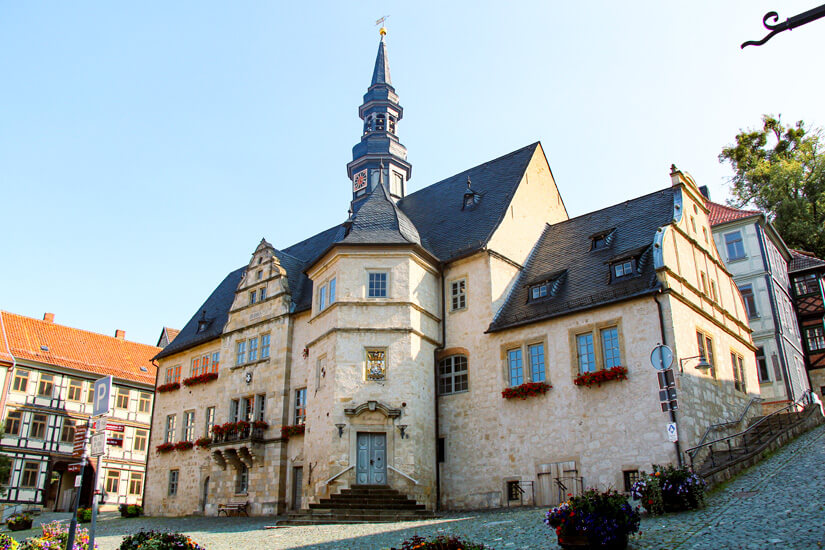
(399, 472)
(724, 424)
(805, 399)
(339, 474)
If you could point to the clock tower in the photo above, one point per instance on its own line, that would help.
(379, 149)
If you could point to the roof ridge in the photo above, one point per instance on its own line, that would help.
(53, 324)
(612, 206)
(728, 207)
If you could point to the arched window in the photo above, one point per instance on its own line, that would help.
(452, 375)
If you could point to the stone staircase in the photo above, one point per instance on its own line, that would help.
(361, 504)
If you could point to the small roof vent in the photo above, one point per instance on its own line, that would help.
(143, 369)
(203, 322)
(44, 348)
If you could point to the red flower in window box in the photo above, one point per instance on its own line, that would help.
(289, 431)
(200, 379)
(597, 378)
(528, 389)
(171, 386)
(203, 442)
(241, 425)
(260, 424)
(183, 445)
(165, 447)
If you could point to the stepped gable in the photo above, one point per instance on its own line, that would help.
(563, 254)
(719, 213)
(62, 346)
(801, 260)
(448, 231)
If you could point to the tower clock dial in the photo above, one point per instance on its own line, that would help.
(359, 181)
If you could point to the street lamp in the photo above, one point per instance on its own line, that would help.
(702, 366)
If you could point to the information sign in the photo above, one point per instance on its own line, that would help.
(672, 433)
(98, 444)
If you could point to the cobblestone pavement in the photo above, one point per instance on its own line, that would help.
(780, 503)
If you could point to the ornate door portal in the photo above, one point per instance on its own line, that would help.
(371, 462)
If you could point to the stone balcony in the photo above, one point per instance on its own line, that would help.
(237, 446)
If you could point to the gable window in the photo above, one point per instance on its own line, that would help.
(172, 374)
(253, 349)
(376, 364)
(46, 385)
(122, 401)
(737, 364)
(301, 406)
(536, 354)
(377, 284)
(145, 402)
(240, 353)
(452, 375)
(622, 269)
(21, 380)
(601, 240)
(806, 284)
(734, 246)
(139, 442)
(169, 435)
(750, 301)
(458, 294)
(173, 482)
(705, 347)
(38, 427)
(188, 426)
(586, 353)
(816, 338)
(762, 365)
(13, 421)
(539, 291)
(264, 346)
(253, 297)
(28, 478)
(260, 273)
(515, 366)
(75, 390)
(610, 347)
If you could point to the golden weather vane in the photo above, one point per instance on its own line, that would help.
(383, 30)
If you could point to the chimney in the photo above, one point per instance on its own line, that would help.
(120, 334)
(48, 317)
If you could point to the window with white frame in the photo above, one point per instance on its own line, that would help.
(240, 353)
(210, 420)
(169, 434)
(585, 352)
(452, 375)
(738, 367)
(458, 294)
(806, 284)
(264, 346)
(173, 482)
(515, 366)
(610, 347)
(188, 426)
(535, 352)
(322, 298)
(734, 246)
(172, 375)
(216, 360)
(377, 284)
(140, 440)
(332, 289)
(622, 269)
(200, 365)
(301, 406)
(253, 349)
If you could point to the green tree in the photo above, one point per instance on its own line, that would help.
(781, 170)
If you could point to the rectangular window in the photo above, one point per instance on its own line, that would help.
(610, 347)
(376, 364)
(264, 346)
(536, 353)
(112, 481)
(458, 294)
(738, 365)
(259, 275)
(28, 478)
(200, 365)
(260, 406)
(234, 407)
(141, 438)
(242, 480)
(539, 291)
(750, 301)
(816, 338)
(169, 436)
(173, 482)
(122, 401)
(332, 291)
(135, 483)
(586, 353)
(806, 284)
(173, 374)
(377, 285)
(216, 360)
(13, 421)
(247, 407)
(734, 246)
(67, 432)
(21, 380)
(705, 346)
(240, 353)
(262, 294)
(253, 349)
(630, 477)
(210, 420)
(301, 406)
(91, 395)
(145, 402)
(188, 426)
(515, 366)
(322, 298)
(623, 269)
(452, 375)
(75, 390)
(38, 427)
(252, 296)
(762, 365)
(46, 385)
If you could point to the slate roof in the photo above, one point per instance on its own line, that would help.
(801, 260)
(719, 213)
(47, 342)
(381, 72)
(564, 247)
(432, 218)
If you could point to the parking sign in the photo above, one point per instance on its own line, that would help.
(103, 392)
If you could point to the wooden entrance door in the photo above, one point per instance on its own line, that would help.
(371, 462)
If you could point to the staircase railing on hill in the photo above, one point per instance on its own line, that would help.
(720, 425)
(793, 408)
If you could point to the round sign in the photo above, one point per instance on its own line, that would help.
(661, 357)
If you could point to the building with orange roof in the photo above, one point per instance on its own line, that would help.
(48, 372)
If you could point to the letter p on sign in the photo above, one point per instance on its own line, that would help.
(103, 391)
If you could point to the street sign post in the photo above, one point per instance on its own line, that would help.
(103, 394)
(661, 357)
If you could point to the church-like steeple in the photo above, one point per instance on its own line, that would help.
(379, 144)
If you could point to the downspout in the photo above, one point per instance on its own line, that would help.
(151, 426)
(664, 341)
(435, 377)
(10, 372)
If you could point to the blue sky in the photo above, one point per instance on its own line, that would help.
(145, 148)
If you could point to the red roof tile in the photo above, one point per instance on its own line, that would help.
(719, 213)
(59, 345)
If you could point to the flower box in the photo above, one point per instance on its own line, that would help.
(600, 376)
(19, 522)
(594, 520)
(203, 442)
(260, 424)
(289, 431)
(526, 390)
(200, 379)
(171, 386)
(165, 447)
(183, 445)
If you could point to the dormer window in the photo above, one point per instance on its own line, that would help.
(546, 286)
(602, 239)
(539, 291)
(623, 269)
(203, 322)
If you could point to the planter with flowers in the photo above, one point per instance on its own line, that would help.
(165, 447)
(171, 386)
(200, 379)
(289, 431)
(669, 489)
(598, 377)
(594, 520)
(260, 424)
(19, 522)
(184, 445)
(203, 442)
(528, 389)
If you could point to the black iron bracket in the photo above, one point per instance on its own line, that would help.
(788, 24)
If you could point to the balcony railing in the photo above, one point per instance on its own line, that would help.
(238, 434)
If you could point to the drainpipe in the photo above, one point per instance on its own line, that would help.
(435, 376)
(151, 425)
(664, 341)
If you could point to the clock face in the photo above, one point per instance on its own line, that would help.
(359, 181)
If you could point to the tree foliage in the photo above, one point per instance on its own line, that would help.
(781, 170)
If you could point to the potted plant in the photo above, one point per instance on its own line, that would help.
(289, 431)
(7, 542)
(260, 424)
(130, 510)
(528, 389)
(158, 540)
(19, 522)
(200, 379)
(171, 386)
(203, 442)
(669, 489)
(183, 445)
(594, 520)
(441, 542)
(598, 377)
(84, 515)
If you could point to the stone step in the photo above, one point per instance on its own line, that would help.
(327, 518)
(365, 505)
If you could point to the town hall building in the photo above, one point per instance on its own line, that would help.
(466, 344)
